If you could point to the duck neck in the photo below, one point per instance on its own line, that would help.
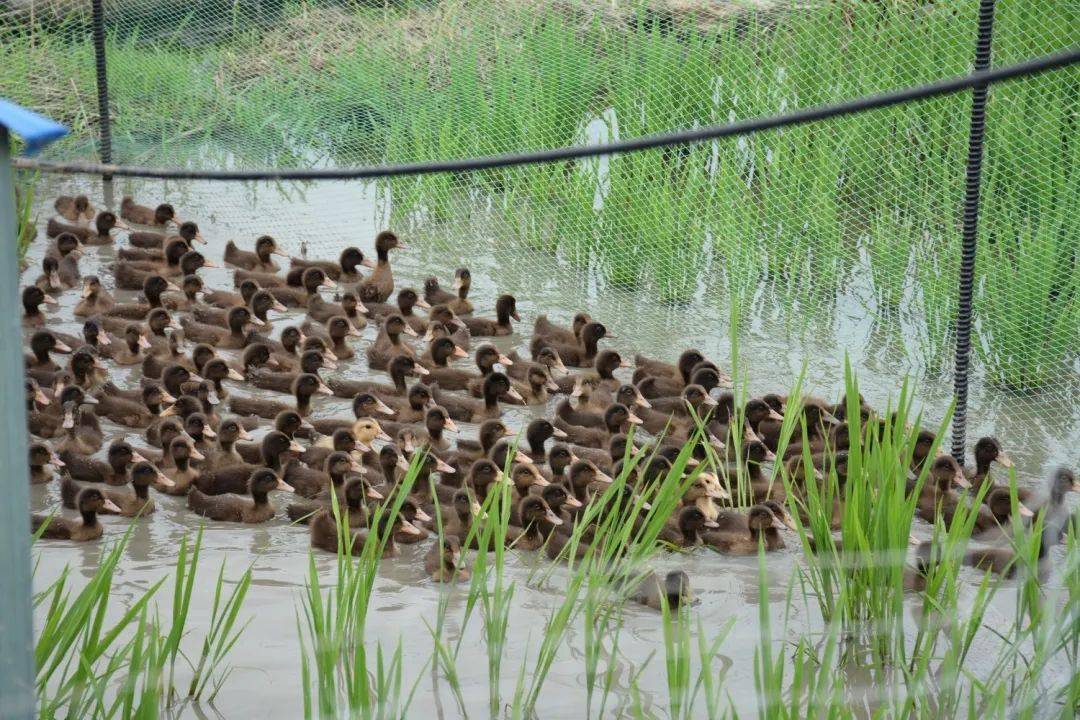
(590, 346)
(502, 316)
(89, 518)
(491, 398)
(37, 472)
(142, 491)
(226, 446)
(982, 466)
(383, 255)
(154, 408)
(260, 498)
(42, 356)
(398, 378)
(337, 479)
(303, 403)
(463, 291)
(182, 463)
(536, 439)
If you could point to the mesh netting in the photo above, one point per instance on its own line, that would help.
(838, 236)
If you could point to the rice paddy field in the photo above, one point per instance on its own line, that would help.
(819, 259)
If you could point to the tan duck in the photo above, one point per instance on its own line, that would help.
(261, 259)
(378, 286)
(235, 508)
(90, 502)
(162, 215)
(230, 432)
(76, 209)
(345, 271)
(43, 463)
(443, 561)
(536, 517)
(49, 280)
(505, 310)
(304, 387)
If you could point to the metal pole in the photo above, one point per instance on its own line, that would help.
(104, 120)
(16, 620)
(970, 231)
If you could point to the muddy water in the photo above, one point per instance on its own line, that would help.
(324, 217)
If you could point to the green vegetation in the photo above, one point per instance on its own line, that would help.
(298, 82)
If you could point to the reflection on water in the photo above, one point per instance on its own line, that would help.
(773, 349)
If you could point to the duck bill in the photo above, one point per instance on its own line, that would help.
(56, 462)
(422, 516)
(522, 458)
(576, 392)
(361, 308)
(459, 353)
(410, 331)
(773, 415)
(451, 426)
(110, 506)
(164, 480)
(553, 518)
(457, 283)
(573, 502)
(329, 353)
(194, 454)
(959, 479)
(422, 303)
(420, 370)
(208, 432)
(69, 421)
(173, 287)
(282, 485)
(61, 347)
(373, 494)
(1004, 460)
(169, 411)
(322, 389)
(402, 463)
(556, 432)
(137, 457)
(209, 264)
(235, 375)
(408, 528)
(328, 283)
(278, 307)
(144, 343)
(199, 238)
(443, 467)
(709, 401)
(40, 398)
(244, 434)
(353, 332)
(633, 419)
(769, 455)
(640, 400)
(505, 360)
(50, 300)
(295, 447)
(366, 262)
(213, 398)
(103, 339)
(1024, 510)
(711, 524)
(256, 321)
(513, 393)
(279, 253)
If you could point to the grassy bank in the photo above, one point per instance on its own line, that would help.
(869, 202)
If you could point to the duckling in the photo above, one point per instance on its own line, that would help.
(537, 432)
(311, 361)
(456, 379)
(153, 288)
(342, 440)
(36, 399)
(224, 299)
(1001, 560)
(229, 432)
(378, 286)
(582, 474)
(617, 419)
(198, 428)
(260, 304)
(308, 482)
(311, 280)
(352, 497)
(465, 410)
(543, 327)
(436, 359)
(816, 416)
(547, 357)
(505, 309)
(987, 451)
(133, 414)
(82, 432)
(48, 422)
(75, 209)
(112, 471)
(83, 370)
(582, 354)
(288, 423)
(286, 350)
(134, 503)
(320, 310)
(561, 502)
(345, 270)
(365, 405)
(189, 296)
(43, 461)
(673, 591)
(1057, 514)
(132, 351)
(66, 250)
(993, 519)
(337, 329)
(90, 502)
(761, 527)
(937, 494)
(389, 344)
(468, 451)
(436, 422)
(407, 301)
(680, 370)
(262, 259)
(443, 561)
(32, 299)
(453, 329)
(180, 452)
(162, 215)
(304, 387)
(49, 281)
(236, 508)
(99, 234)
(535, 517)
(464, 511)
(154, 364)
(704, 374)
(149, 239)
(688, 528)
(276, 449)
(172, 378)
(400, 367)
(324, 533)
(42, 343)
(240, 323)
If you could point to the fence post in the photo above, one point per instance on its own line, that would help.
(104, 119)
(16, 621)
(970, 231)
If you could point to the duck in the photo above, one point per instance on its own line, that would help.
(505, 309)
(1056, 512)
(617, 419)
(90, 502)
(336, 330)
(95, 299)
(352, 496)
(311, 280)
(364, 405)
(49, 422)
(189, 298)
(276, 450)
(583, 473)
(162, 215)
(436, 422)
(68, 252)
(345, 270)
(467, 410)
(215, 371)
(543, 327)
(153, 288)
(993, 518)
(814, 413)
(987, 451)
(188, 231)
(43, 463)
(399, 368)
(937, 495)
(443, 561)
(311, 362)
(324, 533)
(538, 432)
(230, 432)
(304, 387)
(42, 343)
(158, 359)
(547, 357)
(486, 357)
(49, 281)
(130, 273)
(379, 285)
(761, 529)
(231, 507)
(440, 328)
(100, 233)
(33, 298)
(172, 378)
(1002, 560)
(468, 451)
(288, 423)
(226, 299)
(133, 349)
(82, 432)
(582, 354)
(679, 370)
(407, 302)
(388, 344)
(673, 591)
(463, 512)
(341, 440)
(132, 414)
(134, 503)
(76, 209)
(260, 304)
(535, 516)
(704, 374)
(111, 471)
(309, 482)
(261, 259)
(130, 277)
(320, 310)
(240, 322)
(437, 357)
(688, 528)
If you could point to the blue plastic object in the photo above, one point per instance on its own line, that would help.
(37, 131)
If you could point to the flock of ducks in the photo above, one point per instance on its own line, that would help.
(210, 374)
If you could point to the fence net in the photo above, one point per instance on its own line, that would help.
(841, 236)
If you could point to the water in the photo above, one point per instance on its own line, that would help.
(327, 216)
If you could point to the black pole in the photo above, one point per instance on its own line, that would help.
(970, 231)
(104, 121)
